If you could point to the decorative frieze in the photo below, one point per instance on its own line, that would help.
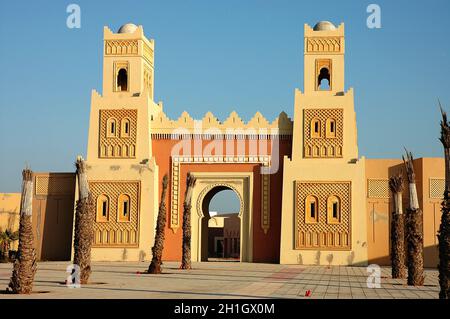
(121, 47)
(323, 45)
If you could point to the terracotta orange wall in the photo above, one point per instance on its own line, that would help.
(266, 247)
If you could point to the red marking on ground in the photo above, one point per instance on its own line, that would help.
(307, 293)
(284, 274)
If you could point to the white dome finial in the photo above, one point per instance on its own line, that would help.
(127, 28)
(324, 26)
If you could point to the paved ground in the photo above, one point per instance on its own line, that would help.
(221, 280)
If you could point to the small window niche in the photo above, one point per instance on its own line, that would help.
(333, 210)
(311, 209)
(315, 128)
(125, 127)
(122, 80)
(331, 128)
(102, 208)
(121, 76)
(124, 208)
(323, 75)
(111, 127)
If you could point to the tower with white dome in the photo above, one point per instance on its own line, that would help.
(323, 206)
(122, 171)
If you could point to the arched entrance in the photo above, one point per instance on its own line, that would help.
(208, 185)
(221, 224)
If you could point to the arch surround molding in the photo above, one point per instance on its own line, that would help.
(209, 182)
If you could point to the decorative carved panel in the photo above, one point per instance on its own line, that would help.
(148, 79)
(437, 188)
(378, 188)
(323, 45)
(54, 185)
(265, 202)
(121, 47)
(148, 54)
(323, 235)
(115, 233)
(323, 147)
(117, 146)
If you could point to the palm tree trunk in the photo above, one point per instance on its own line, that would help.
(25, 263)
(186, 253)
(444, 228)
(84, 224)
(414, 228)
(397, 229)
(157, 250)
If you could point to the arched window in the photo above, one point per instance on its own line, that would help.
(311, 209)
(331, 128)
(323, 80)
(122, 80)
(123, 211)
(125, 128)
(333, 210)
(111, 127)
(315, 128)
(102, 208)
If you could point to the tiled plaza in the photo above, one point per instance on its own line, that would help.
(221, 280)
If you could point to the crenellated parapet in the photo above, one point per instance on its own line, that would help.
(163, 127)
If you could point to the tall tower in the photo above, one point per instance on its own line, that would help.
(323, 211)
(128, 62)
(121, 169)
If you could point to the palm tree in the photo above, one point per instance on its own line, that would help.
(397, 229)
(444, 228)
(6, 238)
(84, 223)
(25, 264)
(414, 228)
(186, 253)
(155, 265)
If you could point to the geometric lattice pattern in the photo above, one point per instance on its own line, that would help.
(322, 235)
(55, 185)
(121, 47)
(117, 146)
(437, 188)
(115, 233)
(378, 188)
(323, 146)
(330, 44)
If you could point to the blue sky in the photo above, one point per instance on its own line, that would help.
(219, 56)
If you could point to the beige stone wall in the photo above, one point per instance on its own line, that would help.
(430, 174)
(10, 213)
